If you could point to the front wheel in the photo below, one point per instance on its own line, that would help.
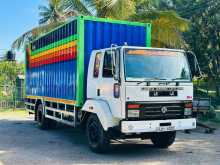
(98, 139)
(163, 139)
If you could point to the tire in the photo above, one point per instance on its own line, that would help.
(43, 122)
(98, 139)
(163, 139)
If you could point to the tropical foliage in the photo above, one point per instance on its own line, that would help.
(9, 71)
(117, 9)
(53, 13)
(51, 16)
(188, 24)
(203, 37)
(167, 25)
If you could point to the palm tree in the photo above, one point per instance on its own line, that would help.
(57, 11)
(32, 34)
(52, 13)
(117, 9)
(167, 25)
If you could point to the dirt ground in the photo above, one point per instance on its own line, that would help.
(22, 143)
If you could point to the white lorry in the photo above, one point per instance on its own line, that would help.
(131, 92)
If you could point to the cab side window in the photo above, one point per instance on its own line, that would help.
(97, 65)
(107, 65)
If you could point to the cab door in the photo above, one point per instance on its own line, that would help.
(107, 85)
(94, 75)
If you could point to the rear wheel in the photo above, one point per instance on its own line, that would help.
(98, 139)
(43, 122)
(163, 139)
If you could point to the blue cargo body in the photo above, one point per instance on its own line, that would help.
(65, 77)
(53, 80)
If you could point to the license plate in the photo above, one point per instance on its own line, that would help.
(165, 128)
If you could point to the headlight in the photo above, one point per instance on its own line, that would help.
(133, 113)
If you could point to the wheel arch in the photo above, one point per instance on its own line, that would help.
(102, 109)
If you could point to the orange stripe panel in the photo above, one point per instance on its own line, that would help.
(55, 54)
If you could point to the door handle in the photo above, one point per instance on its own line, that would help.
(98, 92)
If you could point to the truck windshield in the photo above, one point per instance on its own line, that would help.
(146, 64)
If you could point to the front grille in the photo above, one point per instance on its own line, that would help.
(153, 111)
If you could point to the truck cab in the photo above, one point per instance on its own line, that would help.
(138, 92)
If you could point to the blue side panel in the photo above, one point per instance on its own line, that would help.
(56, 80)
(99, 35)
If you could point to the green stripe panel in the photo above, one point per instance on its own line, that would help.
(114, 21)
(55, 44)
(80, 62)
(25, 65)
(148, 35)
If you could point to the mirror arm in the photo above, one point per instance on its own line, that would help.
(196, 64)
(119, 80)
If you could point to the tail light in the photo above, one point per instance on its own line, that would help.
(188, 105)
(188, 109)
(116, 90)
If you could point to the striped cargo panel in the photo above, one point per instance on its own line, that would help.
(56, 54)
(51, 66)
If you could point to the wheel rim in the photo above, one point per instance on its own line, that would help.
(93, 132)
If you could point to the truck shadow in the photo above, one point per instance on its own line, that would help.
(69, 145)
(118, 147)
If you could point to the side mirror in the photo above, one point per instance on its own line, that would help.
(194, 65)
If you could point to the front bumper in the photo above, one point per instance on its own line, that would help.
(157, 125)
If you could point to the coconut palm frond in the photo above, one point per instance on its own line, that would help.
(53, 12)
(117, 9)
(25, 38)
(51, 16)
(83, 7)
(167, 27)
(17, 44)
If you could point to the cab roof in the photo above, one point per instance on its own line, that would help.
(149, 48)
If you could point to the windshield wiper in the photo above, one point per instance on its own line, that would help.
(157, 78)
(178, 79)
(150, 80)
(140, 82)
